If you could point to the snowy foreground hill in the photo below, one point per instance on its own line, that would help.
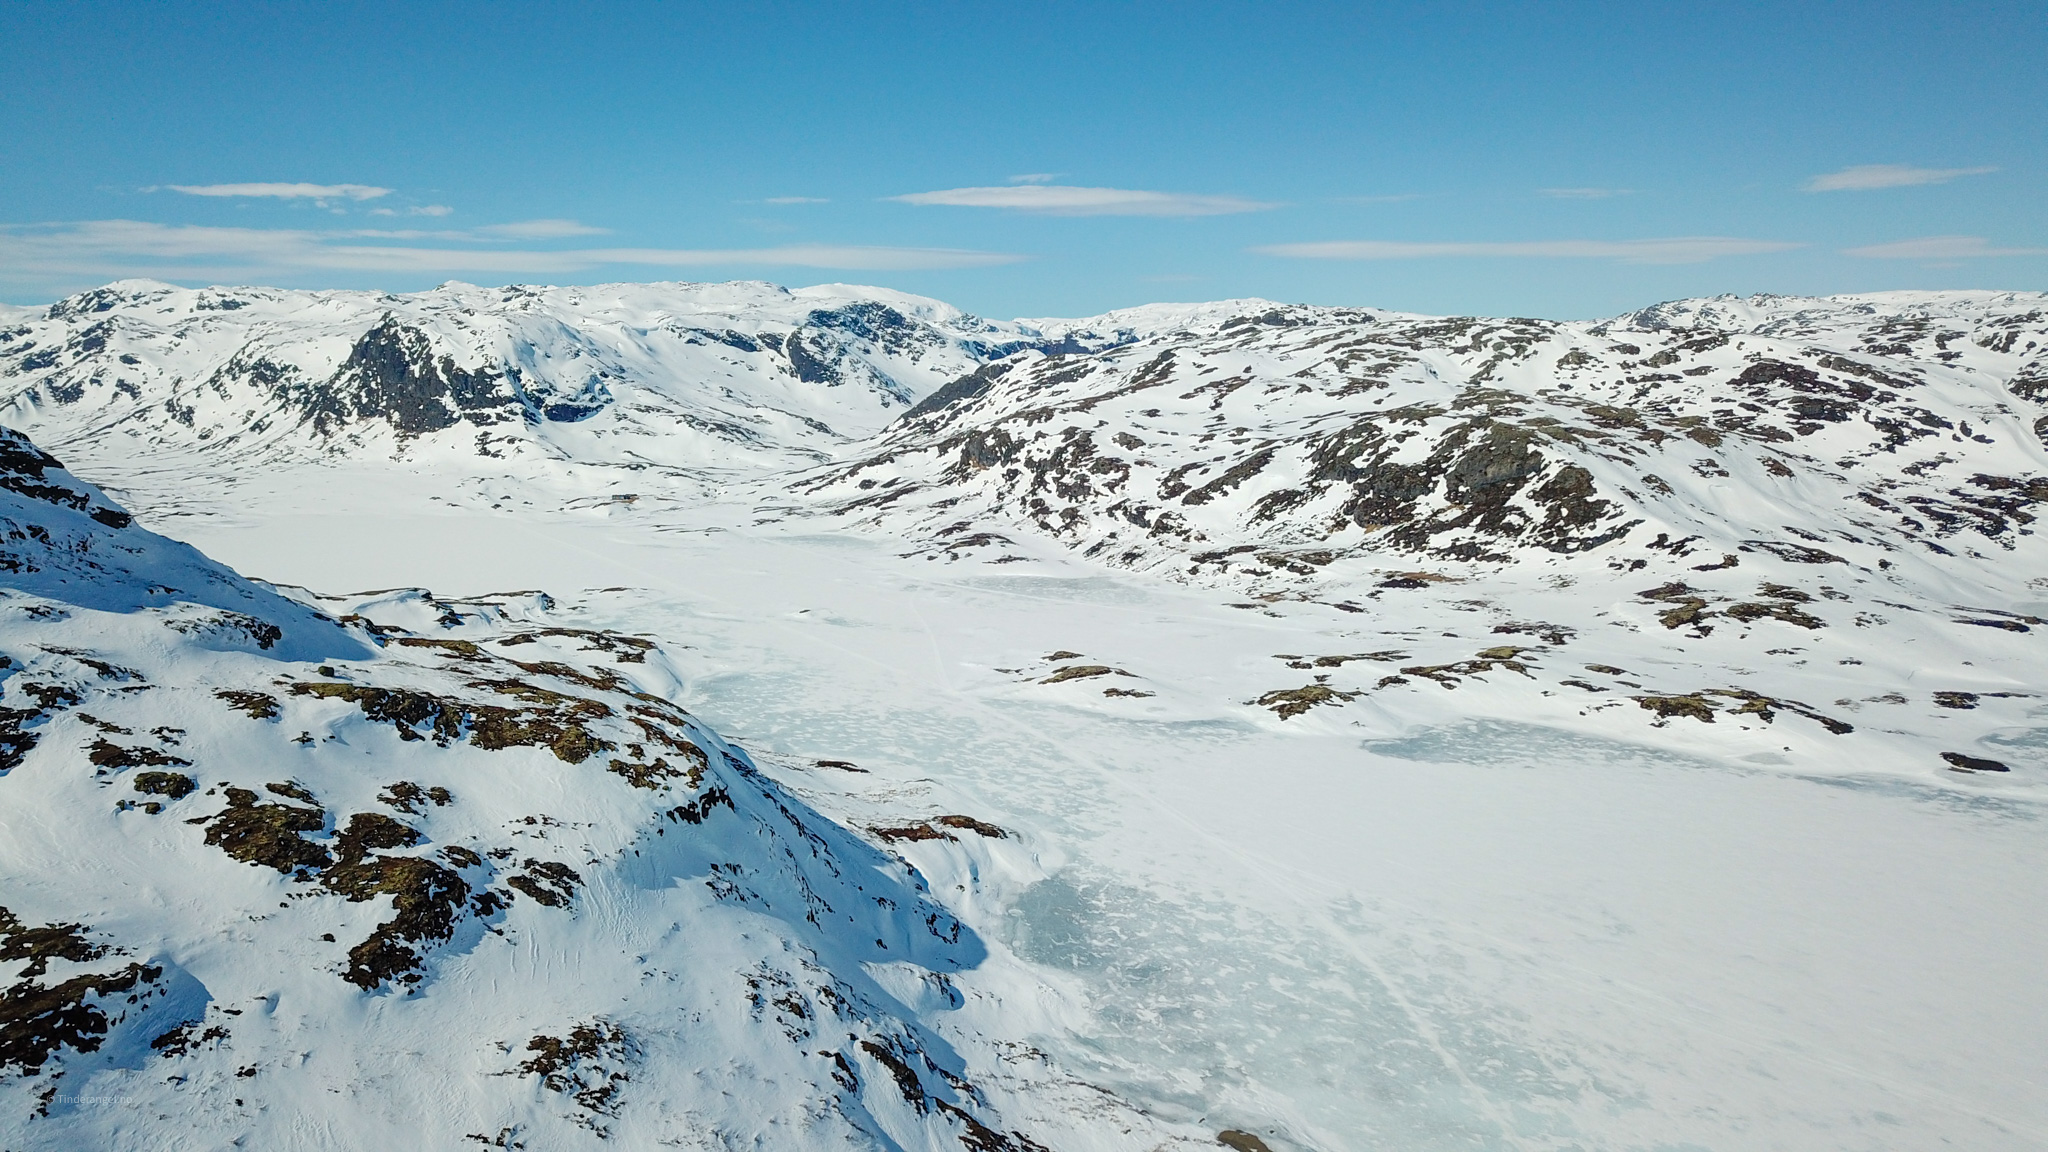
(1332, 727)
(396, 872)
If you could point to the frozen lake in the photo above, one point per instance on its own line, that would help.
(1357, 929)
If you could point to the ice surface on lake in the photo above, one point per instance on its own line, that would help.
(1507, 743)
(1489, 933)
(1220, 1012)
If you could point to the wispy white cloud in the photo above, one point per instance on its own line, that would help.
(117, 248)
(1036, 177)
(796, 200)
(851, 257)
(1940, 248)
(1866, 177)
(415, 210)
(483, 234)
(540, 229)
(1064, 200)
(285, 191)
(1669, 250)
(1584, 193)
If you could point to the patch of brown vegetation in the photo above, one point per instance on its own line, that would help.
(551, 720)
(37, 1019)
(549, 883)
(267, 834)
(408, 797)
(911, 832)
(575, 1065)
(1701, 706)
(1082, 672)
(110, 756)
(970, 824)
(369, 831)
(1689, 607)
(258, 705)
(1504, 656)
(175, 785)
(624, 649)
(1291, 702)
(459, 649)
(183, 1039)
(427, 898)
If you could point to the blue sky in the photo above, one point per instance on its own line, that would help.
(1561, 160)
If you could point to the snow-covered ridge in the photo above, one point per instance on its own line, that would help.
(738, 376)
(418, 872)
(1870, 426)
(1658, 519)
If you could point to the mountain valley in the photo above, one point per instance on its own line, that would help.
(1333, 726)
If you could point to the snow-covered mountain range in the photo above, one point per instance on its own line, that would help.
(742, 375)
(306, 831)
(1276, 437)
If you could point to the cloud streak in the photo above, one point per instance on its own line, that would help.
(285, 191)
(1868, 177)
(1668, 250)
(1066, 200)
(541, 229)
(117, 248)
(1939, 248)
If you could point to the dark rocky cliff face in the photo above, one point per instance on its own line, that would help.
(392, 374)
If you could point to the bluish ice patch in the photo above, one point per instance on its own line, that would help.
(1508, 743)
(2028, 745)
(1211, 1012)
(1081, 589)
(1935, 795)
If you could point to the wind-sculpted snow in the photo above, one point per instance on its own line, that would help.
(409, 872)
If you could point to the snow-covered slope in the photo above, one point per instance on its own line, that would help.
(1680, 508)
(290, 871)
(1877, 426)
